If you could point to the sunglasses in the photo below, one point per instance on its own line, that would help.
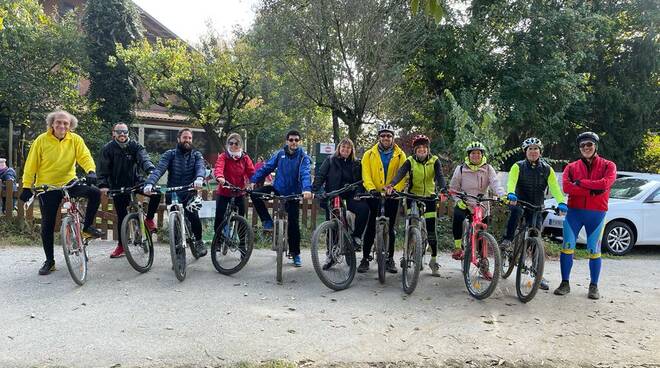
(294, 139)
(586, 144)
(121, 131)
(232, 143)
(386, 136)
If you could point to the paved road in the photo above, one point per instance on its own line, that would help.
(122, 317)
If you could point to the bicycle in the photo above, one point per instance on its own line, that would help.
(137, 241)
(73, 243)
(280, 242)
(382, 237)
(334, 236)
(528, 253)
(233, 240)
(480, 250)
(415, 240)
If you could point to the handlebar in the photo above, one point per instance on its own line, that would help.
(47, 188)
(334, 193)
(269, 196)
(398, 194)
(184, 188)
(480, 198)
(135, 189)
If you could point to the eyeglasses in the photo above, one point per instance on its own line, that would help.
(386, 136)
(294, 139)
(232, 143)
(586, 144)
(121, 131)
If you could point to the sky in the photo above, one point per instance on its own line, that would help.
(188, 18)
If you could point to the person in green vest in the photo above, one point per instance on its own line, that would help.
(425, 179)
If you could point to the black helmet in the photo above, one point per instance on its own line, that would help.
(587, 136)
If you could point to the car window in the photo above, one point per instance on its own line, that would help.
(626, 188)
(655, 197)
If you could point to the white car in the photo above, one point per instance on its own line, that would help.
(632, 217)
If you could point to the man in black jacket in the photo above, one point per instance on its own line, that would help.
(122, 161)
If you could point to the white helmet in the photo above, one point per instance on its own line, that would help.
(195, 204)
(385, 127)
(533, 141)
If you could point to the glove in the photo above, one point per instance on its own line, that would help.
(512, 197)
(596, 192)
(461, 204)
(444, 191)
(198, 183)
(562, 207)
(26, 194)
(221, 181)
(577, 182)
(91, 178)
(147, 189)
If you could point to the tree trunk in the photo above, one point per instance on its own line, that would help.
(215, 143)
(354, 128)
(335, 127)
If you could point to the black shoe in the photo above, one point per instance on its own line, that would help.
(92, 232)
(329, 262)
(390, 266)
(563, 289)
(47, 268)
(201, 249)
(357, 243)
(544, 285)
(593, 292)
(364, 266)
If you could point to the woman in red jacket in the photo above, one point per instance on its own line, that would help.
(587, 182)
(234, 167)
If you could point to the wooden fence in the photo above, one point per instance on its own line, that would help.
(106, 217)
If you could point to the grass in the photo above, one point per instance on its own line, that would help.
(15, 233)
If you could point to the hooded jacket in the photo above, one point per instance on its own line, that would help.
(293, 175)
(235, 171)
(122, 167)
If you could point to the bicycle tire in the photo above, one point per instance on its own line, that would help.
(223, 249)
(72, 253)
(342, 248)
(510, 262)
(412, 254)
(494, 272)
(279, 248)
(137, 243)
(177, 250)
(381, 256)
(536, 269)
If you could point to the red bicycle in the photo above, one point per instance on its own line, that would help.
(481, 260)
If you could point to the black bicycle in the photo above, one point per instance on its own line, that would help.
(333, 238)
(382, 238)
(528, 252)
(234, 239)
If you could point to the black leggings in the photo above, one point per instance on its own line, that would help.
(121, 202)
(293, 217)
(221, 204)
(391, 209)
(50, 204)
(361, 211)
(430, 214)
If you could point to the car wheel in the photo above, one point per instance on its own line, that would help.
(618, 238)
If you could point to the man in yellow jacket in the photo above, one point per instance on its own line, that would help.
(379, 165)
(52, 160)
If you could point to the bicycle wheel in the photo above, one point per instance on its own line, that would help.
(74, 255)
(177, 251)
(530, 269)
(412, 260)
(232, 245)
(137, 243)
(338, 251)
(509, 257)
(382, 240)
(481, 276)
(278, 238)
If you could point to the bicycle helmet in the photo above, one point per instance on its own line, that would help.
(532, 141)
(195, 204)
(587, 136)
(476, 145)
(420, 139)
(385, 127)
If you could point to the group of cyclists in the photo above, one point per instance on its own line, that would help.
(383, 169)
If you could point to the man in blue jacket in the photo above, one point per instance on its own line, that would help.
(7, 174)
(293, 176)
(185, 165)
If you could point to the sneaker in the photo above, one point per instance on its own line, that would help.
(435, 268)
(564, 288)
(544, 285)
(201, 249)
(297, 262)
(47, 268)
(390, 266)
(506, 245)
(329, 262)
(92, 232)
(150, 224)
(357, 243)
(457, 254)
(118, 252)
(364, 266)
(268, 225)
(593, 292)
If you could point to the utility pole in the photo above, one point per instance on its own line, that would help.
(10, 159)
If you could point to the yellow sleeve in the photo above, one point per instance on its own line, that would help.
(83, 156)
(367, 182)
(402, 184)
(32, 164)
(512, 180)
(554, 187)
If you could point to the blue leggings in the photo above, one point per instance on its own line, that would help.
(594, 225)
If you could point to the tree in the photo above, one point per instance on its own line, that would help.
(108, 23)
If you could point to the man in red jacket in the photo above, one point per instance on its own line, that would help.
(587, 182)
